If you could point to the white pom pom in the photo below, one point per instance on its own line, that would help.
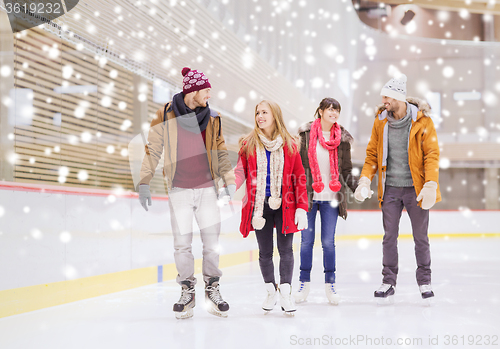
(274, 203)
(258, 222)
(403, 78)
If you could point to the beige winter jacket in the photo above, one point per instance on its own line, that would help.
(163, 137)
(423, 149)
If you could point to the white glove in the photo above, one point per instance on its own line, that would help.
(363, 190)
(428, 195)
(227, 193)
(145, 195)
(301, 219)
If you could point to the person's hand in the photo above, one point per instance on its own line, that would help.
(428, 195)
(145, 196)
(227, 193)
(301, 219)
(363, 190)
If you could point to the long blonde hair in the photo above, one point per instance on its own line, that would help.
(249, 143)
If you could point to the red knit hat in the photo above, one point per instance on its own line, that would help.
(194, 81)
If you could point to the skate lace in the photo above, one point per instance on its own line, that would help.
(186, 296)
(384, 287)
(214, 294)
(332, 288)
(425, 288)
(302, 286)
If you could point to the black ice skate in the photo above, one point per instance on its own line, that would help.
(427, 294)
(213, 299)
(183, 309)
(385, 294)
(426, 291)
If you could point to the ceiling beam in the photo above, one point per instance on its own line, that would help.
(475, 6)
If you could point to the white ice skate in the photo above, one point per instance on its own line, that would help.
(427, 294)
(301, 295)
(183, 309)
(331, 294)
(286, 300)
(214, 303)
(385, 294)
(271, 298)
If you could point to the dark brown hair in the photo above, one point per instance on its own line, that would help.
(327, 103)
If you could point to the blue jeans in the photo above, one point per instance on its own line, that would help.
(329, 217)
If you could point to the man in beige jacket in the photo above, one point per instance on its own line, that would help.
(404, 150)
(189, 134)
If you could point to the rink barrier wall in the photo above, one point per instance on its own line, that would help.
(31, 298)
(54, 189)
(410, 236)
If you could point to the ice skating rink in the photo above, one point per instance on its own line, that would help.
(465, 312)
(77, 96)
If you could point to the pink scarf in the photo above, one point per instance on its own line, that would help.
(332, 147)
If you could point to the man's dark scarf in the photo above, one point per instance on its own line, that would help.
(193, 121)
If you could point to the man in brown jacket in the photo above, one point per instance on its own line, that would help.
(404, 149)
(189, 135)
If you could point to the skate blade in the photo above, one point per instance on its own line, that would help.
(300, 300)
(290, 313)
(385, 301)
(428, 302)
(216, 312)
(267, 310)
(184, 314)
(334, 300)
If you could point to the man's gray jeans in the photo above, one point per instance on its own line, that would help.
(395, 198)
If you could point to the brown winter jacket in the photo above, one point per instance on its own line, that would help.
(163, 138)
(345, 166)
(423, 149)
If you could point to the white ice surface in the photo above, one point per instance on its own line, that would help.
(467, 303)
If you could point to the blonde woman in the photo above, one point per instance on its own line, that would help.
(276, 196)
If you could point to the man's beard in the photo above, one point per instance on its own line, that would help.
(200, 102)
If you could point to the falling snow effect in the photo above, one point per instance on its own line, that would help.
(251, 55)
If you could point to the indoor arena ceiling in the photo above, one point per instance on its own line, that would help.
(473, 6)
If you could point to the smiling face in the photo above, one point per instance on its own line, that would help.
(328, 112)
(394, 106)
(265, 119)
(390, 104)
(329, 115)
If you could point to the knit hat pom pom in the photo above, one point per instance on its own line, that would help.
(185, 70)
(335, 186)
(403, 78)
(318, 187)
(274, 203)
(258, 222)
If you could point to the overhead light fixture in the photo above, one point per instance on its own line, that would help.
(407, 17)
(379, 11)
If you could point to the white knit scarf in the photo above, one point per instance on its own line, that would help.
(276, 167)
